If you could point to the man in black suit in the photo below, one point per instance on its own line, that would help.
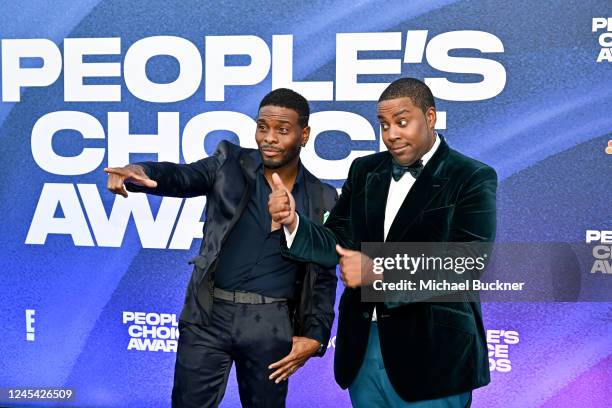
(417, 354)
(245, 303)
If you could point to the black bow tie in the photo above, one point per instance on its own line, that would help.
(398, 170)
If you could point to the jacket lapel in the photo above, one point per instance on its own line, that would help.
(248, 164)
(376, 191)
(424, 190)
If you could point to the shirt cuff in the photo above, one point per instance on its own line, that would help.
(290, 236)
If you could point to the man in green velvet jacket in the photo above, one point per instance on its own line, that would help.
(420, 354)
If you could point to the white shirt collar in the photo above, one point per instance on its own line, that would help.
(431, 151)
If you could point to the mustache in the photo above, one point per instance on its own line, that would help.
(270, 148)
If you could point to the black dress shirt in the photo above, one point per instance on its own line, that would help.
(250, 260)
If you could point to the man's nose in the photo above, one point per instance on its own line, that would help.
(394, 133)
(270, 137)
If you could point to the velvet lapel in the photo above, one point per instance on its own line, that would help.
(376, 191)
(425, 188)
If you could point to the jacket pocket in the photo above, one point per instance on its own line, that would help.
(442, 208)
(453, 318)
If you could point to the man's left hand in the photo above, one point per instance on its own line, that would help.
(355, 268)
(303, 348)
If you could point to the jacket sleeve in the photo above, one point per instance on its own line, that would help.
(317, 324)
(316, 243)
(182, 180)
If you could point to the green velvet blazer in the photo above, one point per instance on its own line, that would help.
(430, 350)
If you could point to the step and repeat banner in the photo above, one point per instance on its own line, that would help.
(91, 284)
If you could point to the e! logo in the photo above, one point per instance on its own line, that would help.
(609, 148)
(29, 315)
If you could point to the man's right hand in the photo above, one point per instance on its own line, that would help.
(281, 204)
(133, 173)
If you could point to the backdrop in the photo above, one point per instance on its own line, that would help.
(92, 284)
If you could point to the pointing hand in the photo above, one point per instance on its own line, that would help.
(133, 173)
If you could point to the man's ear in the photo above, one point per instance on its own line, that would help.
(431, 116)
(305, 135)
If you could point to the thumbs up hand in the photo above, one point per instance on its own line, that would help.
(355, 268)
(281, 205)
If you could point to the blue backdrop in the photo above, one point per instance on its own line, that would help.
(545, 132)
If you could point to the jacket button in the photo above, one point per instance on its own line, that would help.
(366, 315)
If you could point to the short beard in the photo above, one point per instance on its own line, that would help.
(290, 154)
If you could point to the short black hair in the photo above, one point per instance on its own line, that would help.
(287, 98)
(412, 88)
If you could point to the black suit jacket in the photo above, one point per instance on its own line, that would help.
(226, 179)
(430, 350)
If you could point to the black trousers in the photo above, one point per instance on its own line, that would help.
(252, 336)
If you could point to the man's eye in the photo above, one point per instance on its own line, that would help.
(261, 127)
(403, 122)
(284, 130)
(384, 126)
